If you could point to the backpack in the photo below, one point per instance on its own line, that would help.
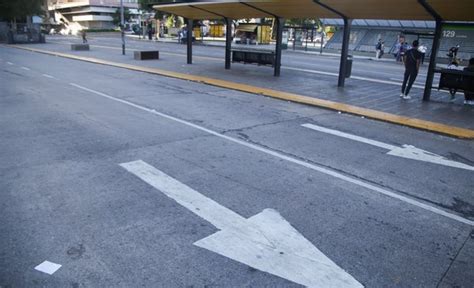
(378, 46)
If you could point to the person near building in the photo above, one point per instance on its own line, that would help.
(454, 65)
(423, 49)
(84, 36)
(378, 48)
(150, 31)
(411, 59)
(382, 50)
(469, 95)
(453, 53)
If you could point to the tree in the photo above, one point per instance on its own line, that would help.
(116, 17)
(18, 9)
(174, 21)
(303, 22)
(147, 5)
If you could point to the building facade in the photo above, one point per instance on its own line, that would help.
(88, 14)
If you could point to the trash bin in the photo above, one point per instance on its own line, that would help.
(348, 66)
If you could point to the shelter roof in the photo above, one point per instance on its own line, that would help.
(452, 10)
(398, 24)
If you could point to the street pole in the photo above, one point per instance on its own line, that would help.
(322, 40)
(122, 24)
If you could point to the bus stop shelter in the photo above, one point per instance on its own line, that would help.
(441, 11)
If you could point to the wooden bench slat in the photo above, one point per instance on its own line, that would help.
(451, 79)
(259, 57)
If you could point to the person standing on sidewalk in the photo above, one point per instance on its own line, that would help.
(84, 36)
(378, 48)
(382, 49)
(411, 59)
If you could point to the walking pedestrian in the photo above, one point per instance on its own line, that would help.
(422, 49)
(378, 48)
(150, 31)
(84, 36)
(452, 53)
(411, 59)
(453, 66)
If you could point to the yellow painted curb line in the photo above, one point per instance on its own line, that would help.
(369, 113)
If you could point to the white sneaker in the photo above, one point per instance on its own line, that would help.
(402, 95)
(406, 97)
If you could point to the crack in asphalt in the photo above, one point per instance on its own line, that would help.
(456, 207)
(471, 235)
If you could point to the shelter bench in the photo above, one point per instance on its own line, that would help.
(259, 57)
(146, 55)
(455, 81)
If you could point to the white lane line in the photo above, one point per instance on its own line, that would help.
(49, 76)
(265, 241)
(406, 151)
(9, 63)
(352, 77)
(416, 82)
(48, 267)
(350, 136)
(290, 159)
(310, 71)
(25, 68)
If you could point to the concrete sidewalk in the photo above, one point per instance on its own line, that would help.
(372, 100)
(218, 42)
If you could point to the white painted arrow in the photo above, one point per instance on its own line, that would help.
(265, 241)
(406, 151)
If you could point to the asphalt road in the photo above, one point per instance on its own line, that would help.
(66, 126)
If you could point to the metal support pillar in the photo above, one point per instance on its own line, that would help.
(279, 35)
(189, 40)
(434, 48)
(344, 52)
(228, 42)
(322, 39)
(122, 27)
(432, 66)
(345, 42)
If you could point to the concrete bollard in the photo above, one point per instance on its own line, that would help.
(146, 55)
(80, 47)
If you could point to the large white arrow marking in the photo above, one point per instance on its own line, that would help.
(406, 151)
(265, 241)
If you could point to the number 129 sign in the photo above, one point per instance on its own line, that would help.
(449, 33)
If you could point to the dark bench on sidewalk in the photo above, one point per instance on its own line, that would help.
(455, 81)
(146, 55)
(255, 56)
(80, 47)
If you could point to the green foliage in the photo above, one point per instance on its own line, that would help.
(303, 22)
(116, 16)
(146, 4)
(11, 9)
(174, 21)
(100, 30)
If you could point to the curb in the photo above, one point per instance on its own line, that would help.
(439, 128)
